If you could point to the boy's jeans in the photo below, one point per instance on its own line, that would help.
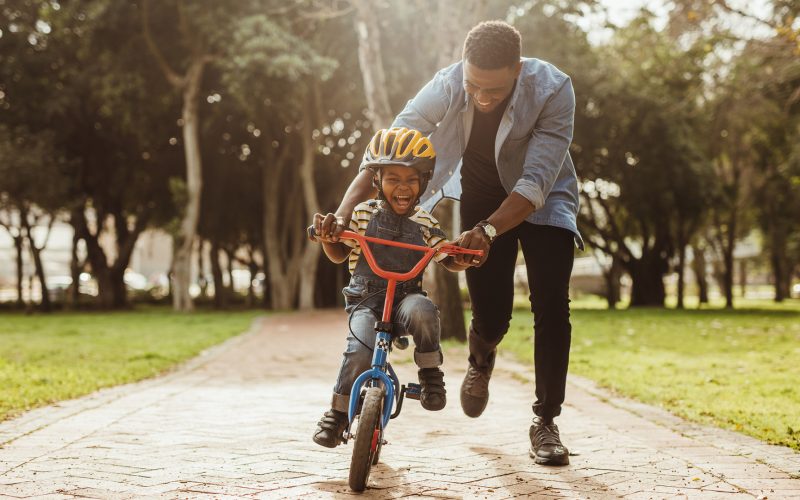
(415, 314)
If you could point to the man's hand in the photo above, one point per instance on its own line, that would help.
(328, 227)
(474, 239)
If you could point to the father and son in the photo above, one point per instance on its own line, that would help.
(492, 130)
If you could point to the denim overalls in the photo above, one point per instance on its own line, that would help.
(413, 313)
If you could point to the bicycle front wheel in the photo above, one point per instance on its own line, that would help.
(367, 439)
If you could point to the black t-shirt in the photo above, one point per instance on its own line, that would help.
(480, 181)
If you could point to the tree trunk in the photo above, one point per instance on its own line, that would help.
(189, 85)
(311, 250)
(648, 283)
(282, 259)
(444, 289)
(202, 282)
(19, 246)
(370, 60)
(44, 304)
(181, 299)
(681, 274)
(779, 271)
(727, 275)
(112, 292)
(75, 269)
(743, 277)
(216, 274)
(231, 285)
(699, 270)
(252, 268)
(36, 253)
(612, 278)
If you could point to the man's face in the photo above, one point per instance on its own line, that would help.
(489, 87)
(400, 186)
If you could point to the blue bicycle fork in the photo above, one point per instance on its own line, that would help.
(377, 372)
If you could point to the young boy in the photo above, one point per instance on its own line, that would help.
(403, 162)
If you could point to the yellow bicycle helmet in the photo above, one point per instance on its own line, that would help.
(401, 146)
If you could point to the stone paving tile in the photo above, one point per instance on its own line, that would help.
(236, 422)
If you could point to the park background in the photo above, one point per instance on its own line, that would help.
(167, 156)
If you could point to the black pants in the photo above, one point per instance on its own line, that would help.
(548, 252)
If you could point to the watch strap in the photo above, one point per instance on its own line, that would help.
(482, 224)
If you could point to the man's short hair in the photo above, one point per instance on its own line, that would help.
(492, 45)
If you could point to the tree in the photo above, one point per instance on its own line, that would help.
(27, 202)
(641, 172)
(188, 84)
(276, 76)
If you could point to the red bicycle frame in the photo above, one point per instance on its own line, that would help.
(393, 277)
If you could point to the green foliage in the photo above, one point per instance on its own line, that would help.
(663, 115)
(734, 369)
(44, 359)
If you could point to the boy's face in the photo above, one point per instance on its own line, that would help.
(400, 186)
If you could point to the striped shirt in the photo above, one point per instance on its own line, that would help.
(431, 230)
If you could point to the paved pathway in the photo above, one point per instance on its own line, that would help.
(237, 422)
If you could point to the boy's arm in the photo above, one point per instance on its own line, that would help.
(337, 252)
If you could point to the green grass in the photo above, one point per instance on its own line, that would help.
(735, 369)
(47, 358)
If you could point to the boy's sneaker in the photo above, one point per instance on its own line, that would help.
(330, 429)
(433, 396)
(546, 447)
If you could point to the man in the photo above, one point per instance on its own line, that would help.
(502, 126)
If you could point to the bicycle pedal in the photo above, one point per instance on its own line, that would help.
(413, 391)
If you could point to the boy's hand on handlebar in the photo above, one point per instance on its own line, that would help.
(474, 239)
(328, 227)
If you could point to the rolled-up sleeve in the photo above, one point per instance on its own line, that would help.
(426, 109)
(548, 146)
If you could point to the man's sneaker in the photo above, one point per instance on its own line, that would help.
(546, 447)
(475, 390)
(433, 395)
(330, 429)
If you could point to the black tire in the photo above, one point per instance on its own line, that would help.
(369, 431)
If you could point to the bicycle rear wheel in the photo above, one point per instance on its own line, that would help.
(367, 439)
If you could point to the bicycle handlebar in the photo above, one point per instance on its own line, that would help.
(448, 249)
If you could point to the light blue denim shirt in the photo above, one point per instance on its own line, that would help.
(531, 148)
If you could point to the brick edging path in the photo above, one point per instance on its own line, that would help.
(237, 422)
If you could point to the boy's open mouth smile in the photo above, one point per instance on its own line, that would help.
(402, 201)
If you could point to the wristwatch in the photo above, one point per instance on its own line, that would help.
(488, 229)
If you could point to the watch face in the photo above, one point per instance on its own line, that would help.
(491, 232)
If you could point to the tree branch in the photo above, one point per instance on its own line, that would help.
(172, 76)
(724, 5)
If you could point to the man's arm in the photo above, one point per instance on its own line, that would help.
(422, 113)
(509, 215)
(548, 146)
(546, 152)
(427, 108)
(451, 265)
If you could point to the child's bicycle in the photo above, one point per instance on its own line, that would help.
(379, 388)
